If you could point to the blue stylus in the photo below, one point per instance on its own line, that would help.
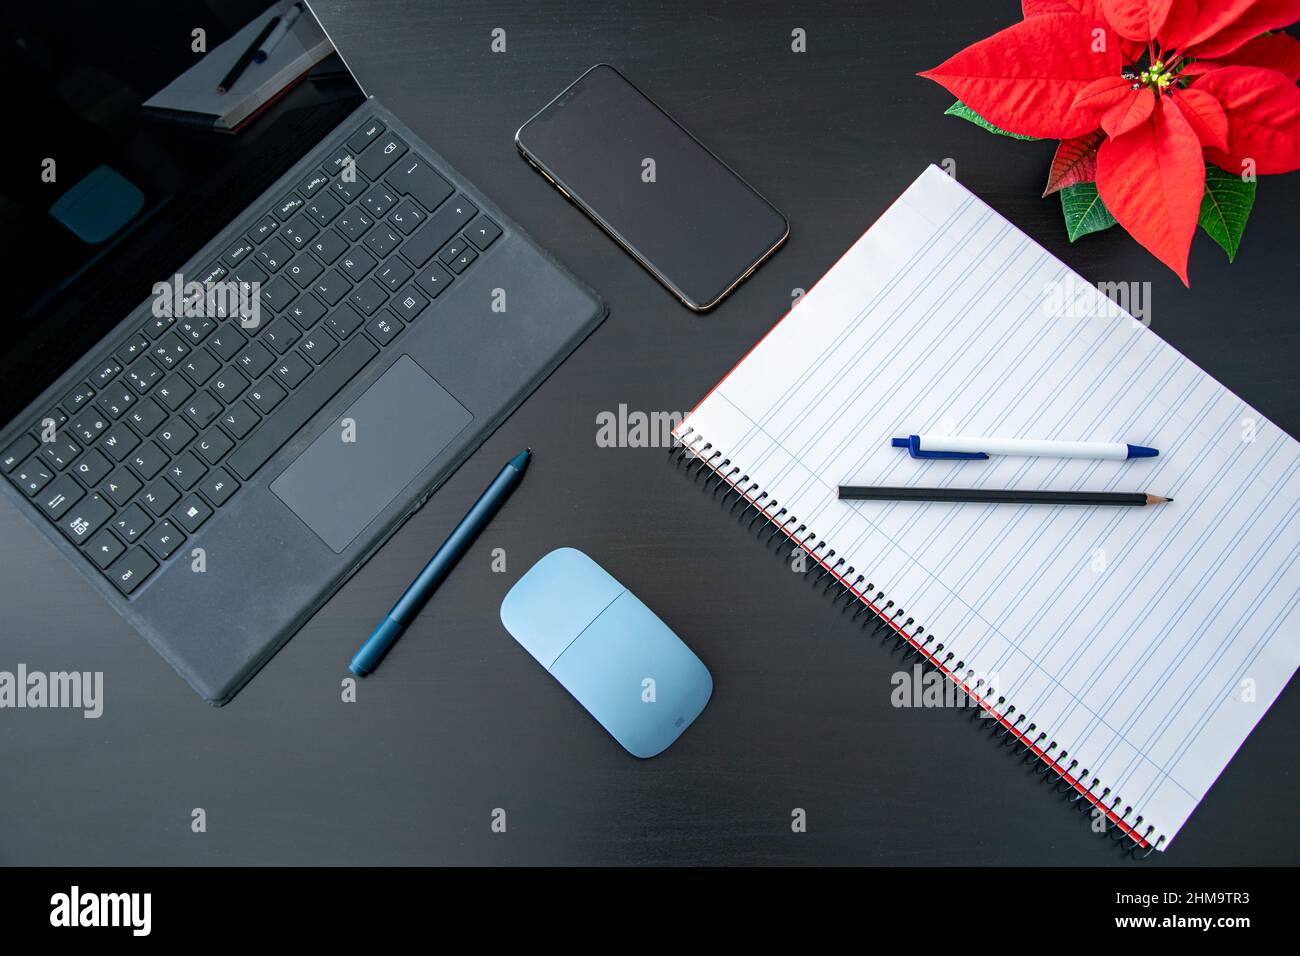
(439, 566)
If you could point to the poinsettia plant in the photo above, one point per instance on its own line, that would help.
(1166, 109)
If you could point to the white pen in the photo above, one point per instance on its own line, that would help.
(276, 35)
(960, 448)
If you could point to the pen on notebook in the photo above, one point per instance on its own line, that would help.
(272, 39)
(999, 496)
(246, 57)
(960, 448)
(444, 559)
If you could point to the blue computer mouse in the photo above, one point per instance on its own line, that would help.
(609, 650)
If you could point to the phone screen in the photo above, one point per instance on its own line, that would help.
(679, 209)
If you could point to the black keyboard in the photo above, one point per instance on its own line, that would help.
(172, 420)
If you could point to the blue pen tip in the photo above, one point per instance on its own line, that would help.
(1141, 451)
(899, 442)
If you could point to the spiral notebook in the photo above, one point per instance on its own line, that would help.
(1131, 650)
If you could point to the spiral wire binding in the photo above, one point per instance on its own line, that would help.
(883, 618)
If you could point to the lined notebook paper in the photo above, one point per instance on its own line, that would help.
(1133, 648)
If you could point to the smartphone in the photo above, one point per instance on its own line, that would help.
(658, 191)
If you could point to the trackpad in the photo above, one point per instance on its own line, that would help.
(370, 453)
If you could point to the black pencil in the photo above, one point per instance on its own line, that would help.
(246, 58)
(1000, 496)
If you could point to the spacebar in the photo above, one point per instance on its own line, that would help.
(257, 450)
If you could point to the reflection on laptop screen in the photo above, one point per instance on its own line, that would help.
(102, 195)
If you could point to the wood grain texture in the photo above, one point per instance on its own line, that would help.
(459, 720)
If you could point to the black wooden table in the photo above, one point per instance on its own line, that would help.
(460, 721)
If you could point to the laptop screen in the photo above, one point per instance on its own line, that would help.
(120, 161)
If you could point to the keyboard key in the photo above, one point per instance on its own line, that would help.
(409, 303)
(105, 373)
(274, 254)
(277, 294)
(191, 513)
(344, 321)
(363, 137)
(87, 426)
(313, 183)
(218, 486)
(158, 325)
(299, 232)
(325, 207)
(236, 253)
(280, 335)
(115, 400)
(379, 200)
(433, 280)
(264, 229)
(170, 350)
(248, 271)
(347, 190)
(300, 407)
(228, 341)
(452, 250)
(382, 241)
(407, 216)
(91, 468)
(60, 452)
(266, 394)
(104, 549)
(414, 177)
(384, 327)
(229, 385)
(121, 486)
(173, 392)
(317, 345)
(461, 262)
(393, 273)
(131, 523)
(60, 495)
(201, 409)
(368, 296)
(78, 397)
(289, 205)
(254, 360)
(159, 497)
(379, 155)
(213, 446)
(357, 263)
(454, 216)
(128, 571)
(483, 232)
(354, 223)
(238, 419)
(85, 518)
(32, 476)
(292, 369)
(144, 375)
(163, 539)
(175, 435)
(185, 470)
(332, 286)
(303, 270)
(307, 311)
(200, 366)
(136, 346)
(23, 446)
(329, 246)
(52, 421)
(197, 329)
(117, 442)
(214, 273)
(340, 159)
(148, 460)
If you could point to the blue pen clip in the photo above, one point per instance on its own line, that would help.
(913, 445)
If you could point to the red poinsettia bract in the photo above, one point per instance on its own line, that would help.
(1142, 93)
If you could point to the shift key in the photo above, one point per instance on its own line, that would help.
(298, 409)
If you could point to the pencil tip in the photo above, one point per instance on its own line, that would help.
(1158, 500)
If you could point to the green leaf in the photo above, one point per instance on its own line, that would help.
(1225, 208)
(1084, 211)
(965, 112)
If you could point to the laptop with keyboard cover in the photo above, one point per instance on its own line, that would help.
(223, 459)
